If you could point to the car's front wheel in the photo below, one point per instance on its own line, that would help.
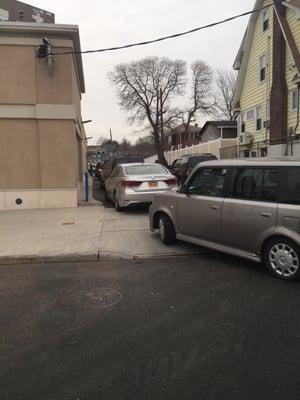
(166, 230)
(282, 259)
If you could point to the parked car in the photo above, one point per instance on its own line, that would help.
(98, 170)
(174, 167)
(186, 165)
(111, 164)
(137, 183)
(248, 208)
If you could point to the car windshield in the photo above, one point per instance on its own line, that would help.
(146, 170)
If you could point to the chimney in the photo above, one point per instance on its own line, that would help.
(279, 95)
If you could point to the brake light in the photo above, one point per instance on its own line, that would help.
(130, 184)
(171, 182)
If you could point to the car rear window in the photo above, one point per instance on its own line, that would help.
(146, 170)
(130, 159)
(289, 192)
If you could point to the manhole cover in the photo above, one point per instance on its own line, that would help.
(104, 297)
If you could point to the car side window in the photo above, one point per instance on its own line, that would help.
(257, 184)
(208, 182)
(289, 192)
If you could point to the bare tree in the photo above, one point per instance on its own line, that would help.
(202, 101)
(226, 82)
(145, 89)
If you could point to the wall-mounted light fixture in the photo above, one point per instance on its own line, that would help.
(45, 52)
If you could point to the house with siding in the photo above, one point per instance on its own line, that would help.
(213, 130)
(182, 136)
(267, 95)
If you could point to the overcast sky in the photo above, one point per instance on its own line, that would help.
(116, 22)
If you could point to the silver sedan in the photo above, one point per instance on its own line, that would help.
(137, 184)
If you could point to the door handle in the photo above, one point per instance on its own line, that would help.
(266, 215)
(214, 207)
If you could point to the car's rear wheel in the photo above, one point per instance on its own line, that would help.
(166, 230)
(282, 259)
(116, 203)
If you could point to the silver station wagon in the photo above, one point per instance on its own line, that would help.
(248, 208)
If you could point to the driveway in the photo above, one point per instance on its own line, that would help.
(126, 234)
(81, 234)
(210, 327)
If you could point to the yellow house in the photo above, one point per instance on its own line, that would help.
(267, 95)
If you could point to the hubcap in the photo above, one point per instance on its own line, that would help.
(284, 260)
(161, 229)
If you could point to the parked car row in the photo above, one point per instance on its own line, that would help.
(248, 208)
(105, 168)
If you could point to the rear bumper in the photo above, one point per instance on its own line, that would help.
(129, 197)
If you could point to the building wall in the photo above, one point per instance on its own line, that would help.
(294, 24)
(211, 133)
(256, 93)
(19, 154)
(42, 139)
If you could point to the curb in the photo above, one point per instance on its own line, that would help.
(36, 259)
(102, 256)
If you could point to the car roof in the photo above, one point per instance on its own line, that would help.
(251, 162)
(138, 164)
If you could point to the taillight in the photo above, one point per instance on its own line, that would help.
(172, 182)
(130, 184)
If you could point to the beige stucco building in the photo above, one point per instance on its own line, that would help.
(42, 138)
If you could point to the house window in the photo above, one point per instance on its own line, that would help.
(265, 16)
(258, 118)
(250, 115)
(262, 68)
(295, 100)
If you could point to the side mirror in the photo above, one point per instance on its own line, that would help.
(183, 189)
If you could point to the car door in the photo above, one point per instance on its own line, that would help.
(110, 183)
(250, 209)
(199, 210)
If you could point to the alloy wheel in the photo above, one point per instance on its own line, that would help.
(284, 260)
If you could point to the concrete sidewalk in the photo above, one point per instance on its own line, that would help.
(80, 234)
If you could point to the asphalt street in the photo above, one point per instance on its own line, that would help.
(200, 327)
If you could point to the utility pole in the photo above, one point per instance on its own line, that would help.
(161, 126)
(111, 142)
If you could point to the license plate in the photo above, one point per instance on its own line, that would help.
(153, 184)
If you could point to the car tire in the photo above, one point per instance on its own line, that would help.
(282, 259)
(116, 203)
(166, 230)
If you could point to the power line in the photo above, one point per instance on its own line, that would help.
(176, 35)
